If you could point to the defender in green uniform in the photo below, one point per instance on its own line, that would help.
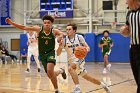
(46, 38)
(106, 44)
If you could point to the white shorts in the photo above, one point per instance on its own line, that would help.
(32, 51)
(80, 70)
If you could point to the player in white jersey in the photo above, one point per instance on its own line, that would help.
(32, 50)
(76, 66)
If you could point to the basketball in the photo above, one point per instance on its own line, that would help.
(80, 52)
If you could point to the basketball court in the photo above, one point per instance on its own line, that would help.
(13, 79)
(92, 17)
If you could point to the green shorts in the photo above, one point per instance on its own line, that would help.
(106, 52)
(47, 58)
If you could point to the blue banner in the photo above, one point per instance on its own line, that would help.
(5, 11)
(57, 8)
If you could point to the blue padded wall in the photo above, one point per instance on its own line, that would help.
(23, 42)
(90, 39)
(119, 53)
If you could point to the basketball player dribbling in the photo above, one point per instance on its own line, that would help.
(76, 66)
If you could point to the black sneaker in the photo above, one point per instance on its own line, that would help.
(57, 91)
(64, 74)
(27, 70)
(38, 69)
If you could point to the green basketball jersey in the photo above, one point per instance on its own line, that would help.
(46, 42)
(107, 40)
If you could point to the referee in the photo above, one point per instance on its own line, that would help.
(132, 29)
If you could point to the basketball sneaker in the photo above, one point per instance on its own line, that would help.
(63, 73)
(77, 90)
(106, 88)
(27, 70)
(108, 67)
(39, 70)
(104, 71)
(57, 91)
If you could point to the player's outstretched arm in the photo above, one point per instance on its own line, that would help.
(22, 27)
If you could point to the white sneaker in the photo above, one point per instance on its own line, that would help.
(77, 90)
(27, 70)
(106, 88)
(108, 67)
(104, 71)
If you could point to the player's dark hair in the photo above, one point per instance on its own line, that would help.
(74, 26)
(105, 31)
(48, 17)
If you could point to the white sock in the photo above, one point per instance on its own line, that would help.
(61, 71)
(103, 84)
(56, 89)
(77, 85)
(104, 68)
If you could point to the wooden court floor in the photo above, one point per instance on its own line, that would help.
(13, 79)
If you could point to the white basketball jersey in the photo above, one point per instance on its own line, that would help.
(70, 44)
(32, 39)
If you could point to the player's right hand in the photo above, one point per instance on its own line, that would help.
(8, 20)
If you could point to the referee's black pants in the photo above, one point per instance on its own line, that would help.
(135, 64)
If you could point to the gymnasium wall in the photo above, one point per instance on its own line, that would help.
(120, 50)
(119, 53)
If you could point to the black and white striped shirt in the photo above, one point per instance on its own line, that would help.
(133, 20)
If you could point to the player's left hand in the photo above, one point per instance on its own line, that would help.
(8, 20)
(59, 39)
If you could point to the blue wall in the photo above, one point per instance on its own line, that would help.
(23, 44)
(119, 53)
(90, 39)
(120, 50)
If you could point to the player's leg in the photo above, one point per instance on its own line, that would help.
(135, 64)
(83, 73)
(50, 70)
(95, 81)
(28, 61)
(52, 76)
(72, 67)
(91, 79)
(105, 60)
(35, 53)
(107, 65)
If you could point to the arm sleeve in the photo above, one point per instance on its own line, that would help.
(101, 41)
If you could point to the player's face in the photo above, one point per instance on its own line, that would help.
(70, 31)
(105, 34)
(47, 24)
